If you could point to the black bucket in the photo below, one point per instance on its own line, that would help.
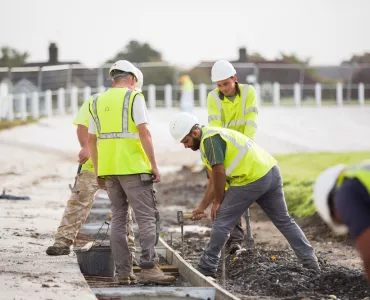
(98, 261)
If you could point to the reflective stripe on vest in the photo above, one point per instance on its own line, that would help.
(243, 150)
(245, 112)
(115, 135)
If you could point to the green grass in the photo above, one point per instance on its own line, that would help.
(5, 124)
(300, 171)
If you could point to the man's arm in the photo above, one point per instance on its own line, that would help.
(219, 182)
(251, 116)
(146, 141)
(363, 246)
(208, 197)
(214, 114)
(82, 135)
(92, 144)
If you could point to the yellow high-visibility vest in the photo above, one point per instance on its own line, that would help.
(120, 151)
(240, 115)
(360, 171)
(245, 161)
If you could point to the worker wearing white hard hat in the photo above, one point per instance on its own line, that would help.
(342, 199)
(252, 175)
(233, 105)
(82, 194)
(125, 165)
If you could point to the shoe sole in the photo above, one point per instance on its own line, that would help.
(52, 253)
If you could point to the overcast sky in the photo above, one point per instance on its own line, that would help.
(186, 32)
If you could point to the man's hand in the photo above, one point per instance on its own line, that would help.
(215, 208)
(101, 183)
(84, 155)
(156, 174)
(198, 214)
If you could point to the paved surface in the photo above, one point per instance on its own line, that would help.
(39, 160)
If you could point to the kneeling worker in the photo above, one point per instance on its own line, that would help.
(342, 199)
(252, 175)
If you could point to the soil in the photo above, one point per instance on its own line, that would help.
(270, 270)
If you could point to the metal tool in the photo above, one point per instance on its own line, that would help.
(249, 237)
(180, 220)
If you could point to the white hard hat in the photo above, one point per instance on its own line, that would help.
(124, 66)
(181, 125)
(321, 190)
(221, 70)
(140, 80)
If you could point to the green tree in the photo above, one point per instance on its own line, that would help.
(10, 57)
(293, 59)
(138, 52)
(358, 59)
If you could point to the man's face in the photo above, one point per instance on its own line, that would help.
(227, 86)
(191, 142)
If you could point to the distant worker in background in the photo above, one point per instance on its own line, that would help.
(82, 198)
(187, 93)
(342, 199)
(234, 106)
(252, 175)
(126, 166)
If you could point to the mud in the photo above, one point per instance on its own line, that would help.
(271, 270)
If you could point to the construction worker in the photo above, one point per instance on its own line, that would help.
(82, 197)
(232, 105)
(342, 199)
(187, 93)
(252, 175)
(125, 165)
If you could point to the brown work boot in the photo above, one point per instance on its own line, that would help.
(58, 249)
(155, 275)
(127, 279)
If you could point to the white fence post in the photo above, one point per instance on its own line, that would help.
(276, 96)
(61, 101)
(297, 94)
(35, 107)
(10, 99)
(168, 95)
(257, 87)
(74, 100)
(87, 92)
(23, 106)
(202, 95)
(48, 103)
(339, 94)
(318, 94)
(101, 89)
(151, 96)
(361, 94)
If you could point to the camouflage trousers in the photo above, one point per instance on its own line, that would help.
(78, 209)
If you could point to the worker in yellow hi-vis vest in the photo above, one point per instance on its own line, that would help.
(125, 164)
(82, 194)
(234, 106)
(252, 175)
(342, 199)
(187, 93)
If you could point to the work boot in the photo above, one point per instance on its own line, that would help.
(312, 265)
(155, 275)
(234, 247)
(134, 261)
(127, 279)
(58, 249)
(206, 272)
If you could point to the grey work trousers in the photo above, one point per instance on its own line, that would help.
(129, 189)
(268, 193)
